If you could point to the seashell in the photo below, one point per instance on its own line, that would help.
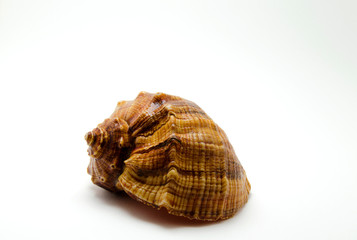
(165, 151)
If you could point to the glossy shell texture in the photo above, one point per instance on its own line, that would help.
(165, 151)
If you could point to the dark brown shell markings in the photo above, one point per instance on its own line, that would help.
(165, 151)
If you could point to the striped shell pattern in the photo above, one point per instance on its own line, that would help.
(165, 151)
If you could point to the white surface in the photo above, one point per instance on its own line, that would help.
(280, 78)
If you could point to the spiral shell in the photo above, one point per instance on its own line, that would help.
(165, 151)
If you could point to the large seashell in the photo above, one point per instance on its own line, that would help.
(165, 151)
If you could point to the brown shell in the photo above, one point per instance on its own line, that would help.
(165, 151)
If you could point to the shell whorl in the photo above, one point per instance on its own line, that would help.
(95, 140)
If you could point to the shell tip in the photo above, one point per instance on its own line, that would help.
(89, 137)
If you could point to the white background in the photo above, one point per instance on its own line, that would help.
(280, 77)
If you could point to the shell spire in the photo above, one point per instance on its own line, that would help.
(107, 146)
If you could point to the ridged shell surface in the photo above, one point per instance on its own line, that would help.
(165, 151)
